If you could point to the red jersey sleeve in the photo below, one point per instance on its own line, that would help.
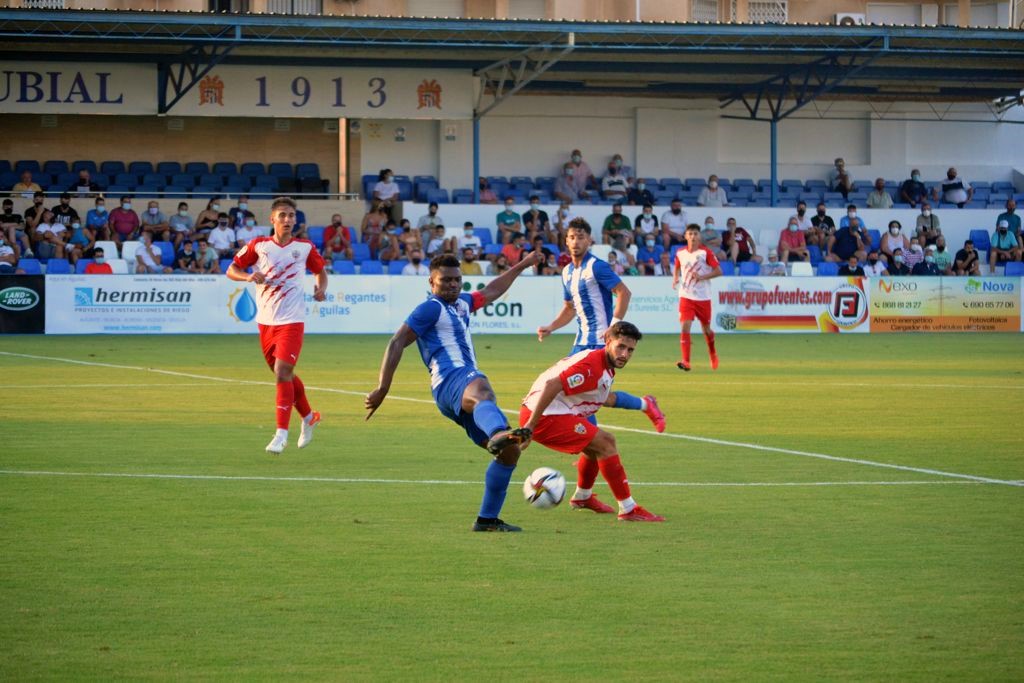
(584, 375)
(247, 256)
(478, 301)
(314, 262)
(711, 258)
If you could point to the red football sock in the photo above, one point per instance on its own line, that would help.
(709, 336)
(285, 399)
(615, 475)
(684, 344)
(587, 470)
(301, 403)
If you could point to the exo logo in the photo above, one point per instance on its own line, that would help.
(890, 286)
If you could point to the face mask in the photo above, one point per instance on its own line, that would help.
(483, 186)
(100, 260)
(916, 177)
(929, 259)
(508, 208)
(469, 233)
(926, 213)
(647, 214)
(649, 243)
(677, 211)
(709, 226)
(153, 211)
(534, 207)
(127, 206)
(250, 222)
(222, 225)
(417, 261)
(851, 215)
(951, 176)
(1002, 231)
(215, 207)
(713, 185)
(1010, 211)
(801, 212)
(388, 179)
(942, 249)
(898, 258)
(872, 261)
(618, 163)
(894, 231)
(76, 226)
(100, 208)
(916, 247)
(793, 227)
(879, 188)
(243, 206)
(564, 212)
(183, 212)
(569, 172)
(641, 186)
(37, 202)
(576, 158)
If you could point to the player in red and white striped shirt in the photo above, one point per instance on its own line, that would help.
(694, 265)
(556, 411)
(279, 270)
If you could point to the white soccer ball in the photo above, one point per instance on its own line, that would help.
(544, 488)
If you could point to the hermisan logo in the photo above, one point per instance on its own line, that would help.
(18, 299)
(100, 297)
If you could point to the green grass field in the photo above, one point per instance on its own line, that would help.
(772, 565)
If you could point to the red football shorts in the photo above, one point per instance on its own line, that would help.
(564, 433)
(282, 341)
(690, 309)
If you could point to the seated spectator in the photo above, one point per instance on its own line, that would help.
(1005, 246)
(300, 228)
(617, 230)
(711, 238)
(914, 255)
(155, 222)
(25, 187)
(84, 185)
(97, 219)
(639, 195)
(427, 222)
(740, 244)
(34, 214)
(538, 245)
(927, 266)
(664, 266)
(206, 260)
(614, 185)
(467, 240)
(207, 218)
(372, 226)
(851, 214)
(563, 218)
(515, 250)
(508, 222)
(943, 257)
(967, 261)
(99, 265)
(415, 266)
(851, 268)
(879, 198)
(409, 240)
(792, 244)
(565, 186)
(822, 228)
(1010, 216)
(537, 222)
(124, 222)
(803, 221)
(928, 226)
(875, 266)
(49, 237)
(12, 227)
(615, 264)
(185, 259)
(248, 232)
(437, 244)
(487, 195)
(81, 242)
(673, 225)
(237, 214)
(955, 189)
(470, 266)
(386, 191)
(845, 244)
(892, 240)
(550, 265)
(64, 213)
(147, 256)
(839, 179)
(181, 225)
(222, 239)
(8, 259)
(336, 241)
(913, 191)
(896, 265)
(626, 171)
(500, 265)
(648, 254)
(773, 267)
(583, 178)
(646, 225)
(712, 194)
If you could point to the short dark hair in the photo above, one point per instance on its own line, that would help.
(126, 197)
(801, 202)
(692, 226)
(625, 329)
(201, 240)
(283, 201)
(468, 224)
(97, 250)
(222, 215)
(432, 204)
(444, 261)
(534, 196)
(580, 224)
(648, 206)
(65, 195)
(851, 206)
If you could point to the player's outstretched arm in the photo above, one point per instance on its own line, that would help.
(564, 317)
(500, 284)
(392, 357)
(552, 388)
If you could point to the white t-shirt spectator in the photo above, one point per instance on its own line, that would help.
(875, 270)
(648, 225)
(149, 260)
(222, 239)
(676, 224)
(55, 228)
(471, 242)
(709, 197)
(435, 246)
(246, 233)
(615, 183)
(802, 223)
(955, 191)
(386, 190)
(428, 221)
(410, 269)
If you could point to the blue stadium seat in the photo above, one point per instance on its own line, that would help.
(395, 267)
(307, 171)
(56, 167)
(224, 264)
(80, 266)
(252, 169)
(206, 191)
(43, 179)
(168, 168)
(727, 268)
(492, 249)
(116, 191)
(437, 195)
(981, 240)
(263, 192)
(5, 166)
(316, 236)
(196, 168)
(265, 180)
(31, 266)
(827, 268)
(815, 253)
(235, 190)
(183, 179)
(697, 183)
(238, 180)
(27, 165)
(405, 190)
(140, 168)
(8, 180)
(1014, 269)
(176, 192)
(398, 177)
(154, 179)
(342, 267)
(126, 179)
(462, 196)
(369, 267)
(749, 268)
(211, 180)
(544, 183)
(166, 252)
(422, 187)
(284, 170)
(484, 234)
(360, 252)
(58, 266)
(148, 191)
(876, 238)
(816, 185)
(225, 168)
(84, 165)
(64, 180)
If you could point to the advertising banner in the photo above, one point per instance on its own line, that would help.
(77, 88)
(22, 304)
(782, 304)
(945, 304)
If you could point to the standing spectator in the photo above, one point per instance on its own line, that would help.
(892, 240)
(181, 225)
(967, 261)
(839, 179)
(711, 238)
(646, 225)
(247, 233)
(12, 226)
(372, 226)
(487, 195)
(845, 244)
(64, 213)
(147, 257)
(773, 267)
(583, 178)
(386, 191)
(614, 185)
(1005, 246)
(206, 260)
(565, 186)
(207, 218)
(124, 222)
(943, 257)
(792, 244)
(508, 222)
(639, 195)
(914, 255)
(803, 221)
(617, 230)
(222, 239)
(99, 265)
(84, 185)
(467, 240)
(437, 243)
(515, 250)
(1011, 218)
(740, 244)
(415, 265)
(336, 241)
(238, 214)
(896, 265)
(879, 198)
(49, 237)
(822, 228)
(26, 187)
(927, 266)
(673, 225)
(712, 194)
(470, 266)
(155, 222)
(913, 191)
(428, 220)
(928, 226)
(8, 259)
(876, 266)
(185, 261)
(851, 268)
(955, 190)
(537, 222)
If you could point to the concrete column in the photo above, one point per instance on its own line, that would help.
(742, 11)
(964, 13)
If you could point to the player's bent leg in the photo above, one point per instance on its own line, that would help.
(283, 371)
(478, 400)
(605, 449)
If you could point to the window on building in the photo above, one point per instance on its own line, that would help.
(527, 9)
(893, 13)
(435, 8)
(983, 14)
(304, 7)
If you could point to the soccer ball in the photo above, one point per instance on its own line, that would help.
(544, 488)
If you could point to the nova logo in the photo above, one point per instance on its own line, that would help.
(18, 299)
(972, 286)
(890, 286)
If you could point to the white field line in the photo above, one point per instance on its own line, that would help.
(669, 435)
(459, 482)
(1009, 387)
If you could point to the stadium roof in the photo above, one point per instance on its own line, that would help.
(754, 64)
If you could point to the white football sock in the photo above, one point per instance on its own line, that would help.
(643, 404)
(627, 505)
(582, 494)
(281, 433)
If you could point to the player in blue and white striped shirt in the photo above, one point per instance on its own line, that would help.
(440, 328)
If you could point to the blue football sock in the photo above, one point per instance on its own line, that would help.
(593, 419)
(489, 418)
(495, 487)
(627, 401)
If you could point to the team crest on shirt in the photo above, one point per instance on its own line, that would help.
(575, 380)
(580, 428)
(295, 253)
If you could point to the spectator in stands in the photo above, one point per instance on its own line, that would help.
(437, 243)
(565, 186)
(390, 245)
(428, 220)
(123, 222)
(64, 213)
(875, 266)
(549, 256)
(839, 179)
(711, 238)
(467, 240)
(300, 229)
(943, 256)
(712, 194)
(583, 178)
(155, 222)
(207, 218)
(206, 259)
(181, 225)
(740, 244)
(565, 216)
(792, 243)
(415, 266)
(470, 266)
(12, 226)
(879, 198)
(914, 255)
(913, 191)
(249, 232)
(851, 268)
(955, 190)
(537, 222)
(147, 256)
(626, 171)
(646, 225)
(614, 185)
(648, 254)
(8, 259)
(896, 265)
(617, 230)
(928, 226)
(222, 239)
(673, 225)
(409, 240)
(26, 187)
(928, 265)
(372, 226)
(500, 265)
(185, 261)
(34, 213)
(238, 214)
(1005, 246)
(81, 242)
(967, 261)
(845, 244)
(48, 237)
(773, 267)
(337, 244)
(487, 195)
(515, 250)
(386, 190)
(639, 195)
(822, 228)
(99, 265)
(98, 220)
(851, 214)
(1011, 218)
(84, 185)
(803, 221)
(509, 222)
(892, 240)
(617, 266)
(663, 268)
